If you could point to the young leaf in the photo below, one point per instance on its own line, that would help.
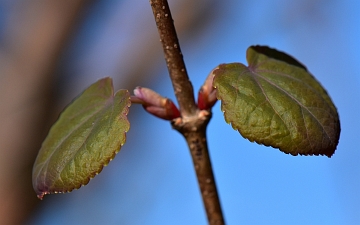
(87, 135)
(275, 101)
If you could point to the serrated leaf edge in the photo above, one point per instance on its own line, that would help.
(126, 111)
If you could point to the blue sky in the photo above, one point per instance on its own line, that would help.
(152, 180)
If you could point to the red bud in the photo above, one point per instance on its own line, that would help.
(155, 104)
(207, 94)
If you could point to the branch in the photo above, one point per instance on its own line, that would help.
(194, 132)
(180, 80)
(193, 121)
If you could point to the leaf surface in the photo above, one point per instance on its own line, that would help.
(87, 135)
(275, 101)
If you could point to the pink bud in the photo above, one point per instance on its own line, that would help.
(207, 93)
(155, 104)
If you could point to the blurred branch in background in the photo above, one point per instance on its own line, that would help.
(34, 34)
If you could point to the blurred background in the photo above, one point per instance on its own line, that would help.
(50, 51)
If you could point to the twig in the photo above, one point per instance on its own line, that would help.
(193, 122)
(194, 132)
(182, 86)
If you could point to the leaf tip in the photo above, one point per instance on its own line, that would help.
(41, 195)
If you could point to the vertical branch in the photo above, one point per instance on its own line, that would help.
(182, 86)
(193, 122)
(200, 154)
(194, 132)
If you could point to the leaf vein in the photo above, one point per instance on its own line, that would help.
(294, 99)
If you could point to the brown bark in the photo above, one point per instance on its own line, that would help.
(193, 122)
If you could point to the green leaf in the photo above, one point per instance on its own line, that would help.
(85, 138)
(275, 101)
